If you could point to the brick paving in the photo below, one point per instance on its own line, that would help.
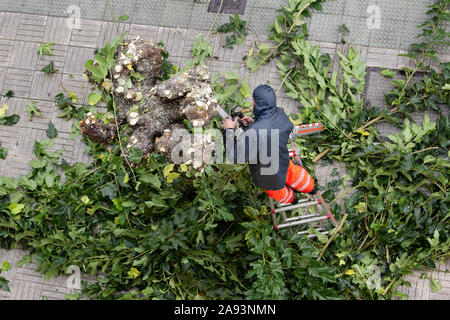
(20, 71)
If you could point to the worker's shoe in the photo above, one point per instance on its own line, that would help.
(297, 197)
(313, 191)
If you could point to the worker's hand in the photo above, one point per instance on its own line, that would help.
(229, 124)
(246, 120)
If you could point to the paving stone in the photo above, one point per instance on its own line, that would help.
(173, 40)
(45, 87)
(108, 31)
(58, 58)
(24, 55)
(77, 84)
(6, 47)
(332, 7)
(177, 13)
(201, 19)
(359, 32)
(387, 36)
(357, 8)
(87, 35)
(377, 57)
(31, 28)
(57, 30)
(39, 122)
(76, 59)
(145, 32)
(148, 12)
(9, 23)
(324, 27)
(19, 81)
(258, 19)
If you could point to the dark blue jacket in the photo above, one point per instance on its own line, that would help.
(264, 145)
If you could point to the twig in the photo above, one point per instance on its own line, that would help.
(341, 224)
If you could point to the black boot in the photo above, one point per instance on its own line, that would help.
(313, 191)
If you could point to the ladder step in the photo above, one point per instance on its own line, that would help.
(301, 217)
(288, 204)
(296, 206)
(295, 223)
(312, 235)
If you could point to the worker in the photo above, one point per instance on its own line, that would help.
(289, 180)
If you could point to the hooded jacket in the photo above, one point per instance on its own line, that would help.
(264, 145)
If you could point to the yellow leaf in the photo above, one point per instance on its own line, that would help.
(73, 96)
(134, 273)
(3, 110)
(316, 99)
(168, 169)
(183, 167)
(250, 53)
(172, 176)
(85, 199)
(130, 66)
(341, 262)
(350, 272)
(116, 220)
(107, 85)
(362, 132)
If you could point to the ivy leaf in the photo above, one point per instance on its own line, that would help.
(52, 132)
(109, 190)
(135, 155)
(9, 121)
(50, 68)
(151, 179)
(4, 284)
(32, 110)
(94, 98)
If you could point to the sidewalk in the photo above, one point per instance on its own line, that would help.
(29, 23)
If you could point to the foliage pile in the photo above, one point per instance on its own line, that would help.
(167, 231)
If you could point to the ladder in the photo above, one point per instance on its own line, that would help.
(321, 212)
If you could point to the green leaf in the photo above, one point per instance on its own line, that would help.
(388, 73)
(51, 131)
(435, 285)
(3, 152)
(50, 68)
(94, 98)
(151, 179)
(123, 18)
(4, 284)
(16, 208)
(32, 110)
(45, 49)
(5, 266)
(135, 155)
(9, 120)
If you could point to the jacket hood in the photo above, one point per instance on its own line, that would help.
(265, 101)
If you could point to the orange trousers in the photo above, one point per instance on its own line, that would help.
(297, 178)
